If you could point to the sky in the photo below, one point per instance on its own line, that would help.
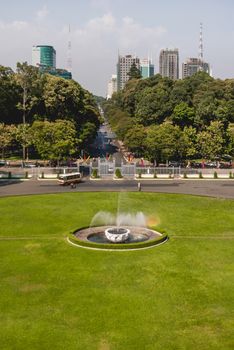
(100, 29)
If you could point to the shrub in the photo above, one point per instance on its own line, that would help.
(200, 175)
(230, 175)
(170, 174)
(26, 174)
(94, 174)
(118, 173)
(155, 175)
(138, 245)
(9, 175)
(215, 175)
(185, 176)
(42, 175)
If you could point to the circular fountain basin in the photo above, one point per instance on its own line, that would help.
(136, 234)
(117, 234)
(114, 238)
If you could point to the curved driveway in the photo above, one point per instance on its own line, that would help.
(214, 188)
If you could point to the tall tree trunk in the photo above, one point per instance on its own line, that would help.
(24, 118)
(24, 153)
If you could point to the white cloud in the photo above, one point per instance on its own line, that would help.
(94, 45)
(123, 34)
(106, 22)
(42, 13)
(135, 36)
(15, 25)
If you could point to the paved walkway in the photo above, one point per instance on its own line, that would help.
(213, 188)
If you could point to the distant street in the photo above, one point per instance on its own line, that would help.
(106, 146)
(214, 188)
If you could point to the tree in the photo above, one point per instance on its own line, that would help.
(6, 137)
(28, 78)
(55, 140)
(153, 105)
(134, 72)
(66, 99)
(23, 134)
(183, 115)
(211, 141)
(87, 134)
(135, 139)
(165, 142)
(9, 96)
(190, 140)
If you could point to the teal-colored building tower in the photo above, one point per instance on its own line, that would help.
(147, 68)
(44, 56)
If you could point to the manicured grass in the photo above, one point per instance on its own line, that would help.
(175, 296)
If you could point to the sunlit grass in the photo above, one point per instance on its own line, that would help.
(175, 296)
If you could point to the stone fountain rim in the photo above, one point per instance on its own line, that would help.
(84, 232)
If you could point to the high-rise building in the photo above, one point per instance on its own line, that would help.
(112, 86)
(169, 63)
(147, 68)
(44, 56)
(194, 65)
(123, 67)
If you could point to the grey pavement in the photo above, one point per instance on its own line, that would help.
(214, 188)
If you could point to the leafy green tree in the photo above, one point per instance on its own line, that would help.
(180, 92)
(165, 142)
(66, 99)
(23, 134)
(134, 72)
(55, 140)
(135, 139)
(119, 120)
(153, 106)
(6, 137)
(129, 96)
(190, 140)
(183, 115)
(123, 125)
(87, 134)
(211, 141)
(9, 96)
(28, 79)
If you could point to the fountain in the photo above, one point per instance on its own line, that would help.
(123, 230)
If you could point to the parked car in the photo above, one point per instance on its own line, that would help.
(225, 165)
(176, 164)
(28, 165)
(210, 165)
(196, 165)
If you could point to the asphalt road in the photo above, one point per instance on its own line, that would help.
(214, 188)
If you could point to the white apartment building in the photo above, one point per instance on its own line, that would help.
(112, 86)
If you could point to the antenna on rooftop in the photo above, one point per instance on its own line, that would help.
(69, 57)
(201, 43)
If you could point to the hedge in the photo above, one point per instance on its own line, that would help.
(137, 245)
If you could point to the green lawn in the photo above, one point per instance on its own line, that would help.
(175, 296)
